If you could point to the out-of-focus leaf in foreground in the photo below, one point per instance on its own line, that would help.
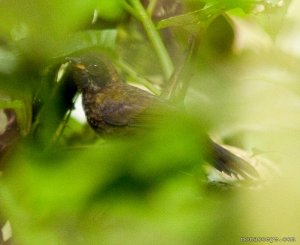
(53, 193)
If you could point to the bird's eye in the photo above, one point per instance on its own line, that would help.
(95, 65)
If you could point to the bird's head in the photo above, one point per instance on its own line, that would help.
(92, 71)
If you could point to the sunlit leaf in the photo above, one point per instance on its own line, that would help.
(197, 19)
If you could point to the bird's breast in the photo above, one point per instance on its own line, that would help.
(92, 107)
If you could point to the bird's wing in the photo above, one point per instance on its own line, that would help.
(136, 108)
(120, 113)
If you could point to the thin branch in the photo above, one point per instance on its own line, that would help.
(59, 132)
(178, 83)
(137, 78)
(151, 7)
(154, 38)
(131, 10)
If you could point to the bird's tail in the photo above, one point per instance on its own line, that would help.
(234, 165)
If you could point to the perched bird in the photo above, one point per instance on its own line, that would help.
(113, 107)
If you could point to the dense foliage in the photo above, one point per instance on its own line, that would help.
(238, 64)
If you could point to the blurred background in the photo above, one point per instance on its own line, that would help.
(60, 183)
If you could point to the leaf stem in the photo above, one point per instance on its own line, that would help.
(151, 7)
(137, 78)
(131, 10)
(154, 38)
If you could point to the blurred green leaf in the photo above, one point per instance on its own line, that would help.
(197, 19)
(272, 16)
(104, 39)
(225, 5)
(110, 10)
(8, 61)
(39, 26)
(201, 18)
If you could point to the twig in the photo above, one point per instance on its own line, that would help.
(151, 7)
(59, 132)
(178, 83)
(131, 10)
(154, 38)
(136, 77)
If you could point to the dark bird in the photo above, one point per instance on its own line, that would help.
(113, 107)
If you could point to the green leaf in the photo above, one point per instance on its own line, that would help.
(272, 16)
(110, 10)
(105, 39)
(42, 26)
(225, 5)
(190, 20)
(204, 16)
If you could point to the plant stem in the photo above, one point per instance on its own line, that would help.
(137, 78)
(177, 86)
(60, 130)
(151, 7)
(154, 38)
(131, 10)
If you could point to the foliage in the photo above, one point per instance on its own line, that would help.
(63, 184)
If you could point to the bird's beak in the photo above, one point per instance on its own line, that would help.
(76, 62)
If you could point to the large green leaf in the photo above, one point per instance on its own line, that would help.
(202, 17)
(105, 39)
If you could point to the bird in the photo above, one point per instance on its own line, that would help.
(114, 107)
